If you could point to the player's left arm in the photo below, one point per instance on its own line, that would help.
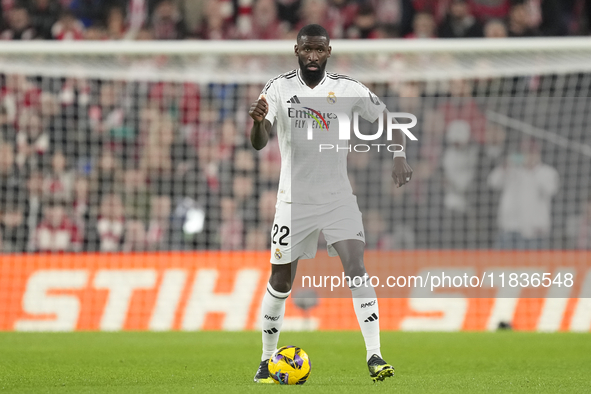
(371, 109)
(401, 171)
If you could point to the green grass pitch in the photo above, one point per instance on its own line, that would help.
(221, 362)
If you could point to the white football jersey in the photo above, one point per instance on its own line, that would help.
(310, 175)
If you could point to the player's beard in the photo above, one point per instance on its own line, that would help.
(310, 76)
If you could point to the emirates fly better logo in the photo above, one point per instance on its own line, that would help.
(315, 114)
(314, 120)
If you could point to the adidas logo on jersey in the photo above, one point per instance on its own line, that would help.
(294, 100)
(373, 317)
(271, 331)
(360, 234)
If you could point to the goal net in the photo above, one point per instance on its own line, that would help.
(125, 148)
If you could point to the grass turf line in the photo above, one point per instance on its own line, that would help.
(180, 362)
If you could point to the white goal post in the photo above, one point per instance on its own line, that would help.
(240, 61)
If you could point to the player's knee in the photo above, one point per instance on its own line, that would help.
(280, 280)
(355, 267)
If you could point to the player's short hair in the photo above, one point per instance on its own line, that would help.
(312, 30)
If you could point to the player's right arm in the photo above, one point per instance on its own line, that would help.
(259, 133)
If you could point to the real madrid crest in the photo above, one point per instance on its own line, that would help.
(278, 254)
(331, 99)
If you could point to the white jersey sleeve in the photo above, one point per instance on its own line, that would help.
(369, 105)
(272, 96)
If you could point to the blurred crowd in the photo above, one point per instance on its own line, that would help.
(281, 19)
(96, 165)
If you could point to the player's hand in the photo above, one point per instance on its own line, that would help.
(259, 109)
(401, 172)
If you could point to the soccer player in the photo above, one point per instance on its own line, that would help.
(314, 192)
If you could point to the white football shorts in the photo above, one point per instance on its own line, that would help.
(296, 228)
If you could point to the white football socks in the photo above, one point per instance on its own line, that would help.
(365, 303)
(272, 312)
